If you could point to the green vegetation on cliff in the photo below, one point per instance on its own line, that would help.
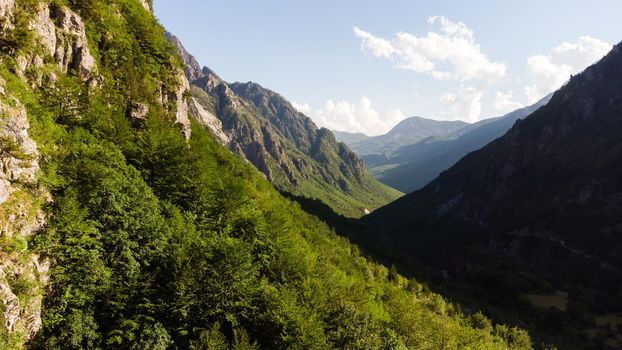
(157, 241)
(289, 149)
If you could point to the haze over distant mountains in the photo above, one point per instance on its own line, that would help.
(406, 132)
(417, 150)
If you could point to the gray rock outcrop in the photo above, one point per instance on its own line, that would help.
(72, 50)
(178, 98)
(192, 68)
(61, 33)
(208, 120)
(181, 115)
(18, 152)
(7, 8)
(20, 217)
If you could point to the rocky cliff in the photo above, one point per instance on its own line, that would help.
(286, 146)
(20, 218)
(45, 41)
(192, 68)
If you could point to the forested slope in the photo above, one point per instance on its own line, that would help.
(137, 230)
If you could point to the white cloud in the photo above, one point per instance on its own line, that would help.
(448, 51)
(465, 104)
(303, 108)
(377, 46)
(549, 72)
(504, 103)
(352, 116)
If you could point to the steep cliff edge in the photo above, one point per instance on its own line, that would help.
(23, 273)
(262, 127)
(42, 42)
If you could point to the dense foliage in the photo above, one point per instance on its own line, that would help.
(158, 242)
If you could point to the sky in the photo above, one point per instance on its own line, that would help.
(363, 65)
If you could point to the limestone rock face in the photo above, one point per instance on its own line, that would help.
(20, 217)
(18, 152)
(22, 317)
(45, 29)
(209, 121)
(72, 50)
(6, 14)
(62, 34)
(139, 111)
(6, 7)
(181, 115)
(177, 98)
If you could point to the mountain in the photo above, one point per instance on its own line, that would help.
(125, 224)
(349, 137)
(286, 146)
(533, 211)
(406, 132)
(192, 68)
(413, 166)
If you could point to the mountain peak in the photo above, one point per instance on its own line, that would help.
(419, 123)
(192, 69)
(408, 131)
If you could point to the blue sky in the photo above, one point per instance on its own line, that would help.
(466, 60)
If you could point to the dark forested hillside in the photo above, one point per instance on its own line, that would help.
(126, 225)
(413, 166)
(541, 202)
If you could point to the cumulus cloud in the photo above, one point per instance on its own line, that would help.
(465, 104)
(349, 116)
(303, 108)
(377, 46)
(448, 51)
(504, 103)
(551, 71)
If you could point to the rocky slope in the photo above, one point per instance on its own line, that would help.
(286, 146)
(20, 218)
(411, 167)
(43, 41)
(192, 69)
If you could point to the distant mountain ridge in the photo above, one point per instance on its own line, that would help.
(285, 145)
(406, 132)
(349, 137)
(412, 166)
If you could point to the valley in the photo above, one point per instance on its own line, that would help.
(148, 203)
